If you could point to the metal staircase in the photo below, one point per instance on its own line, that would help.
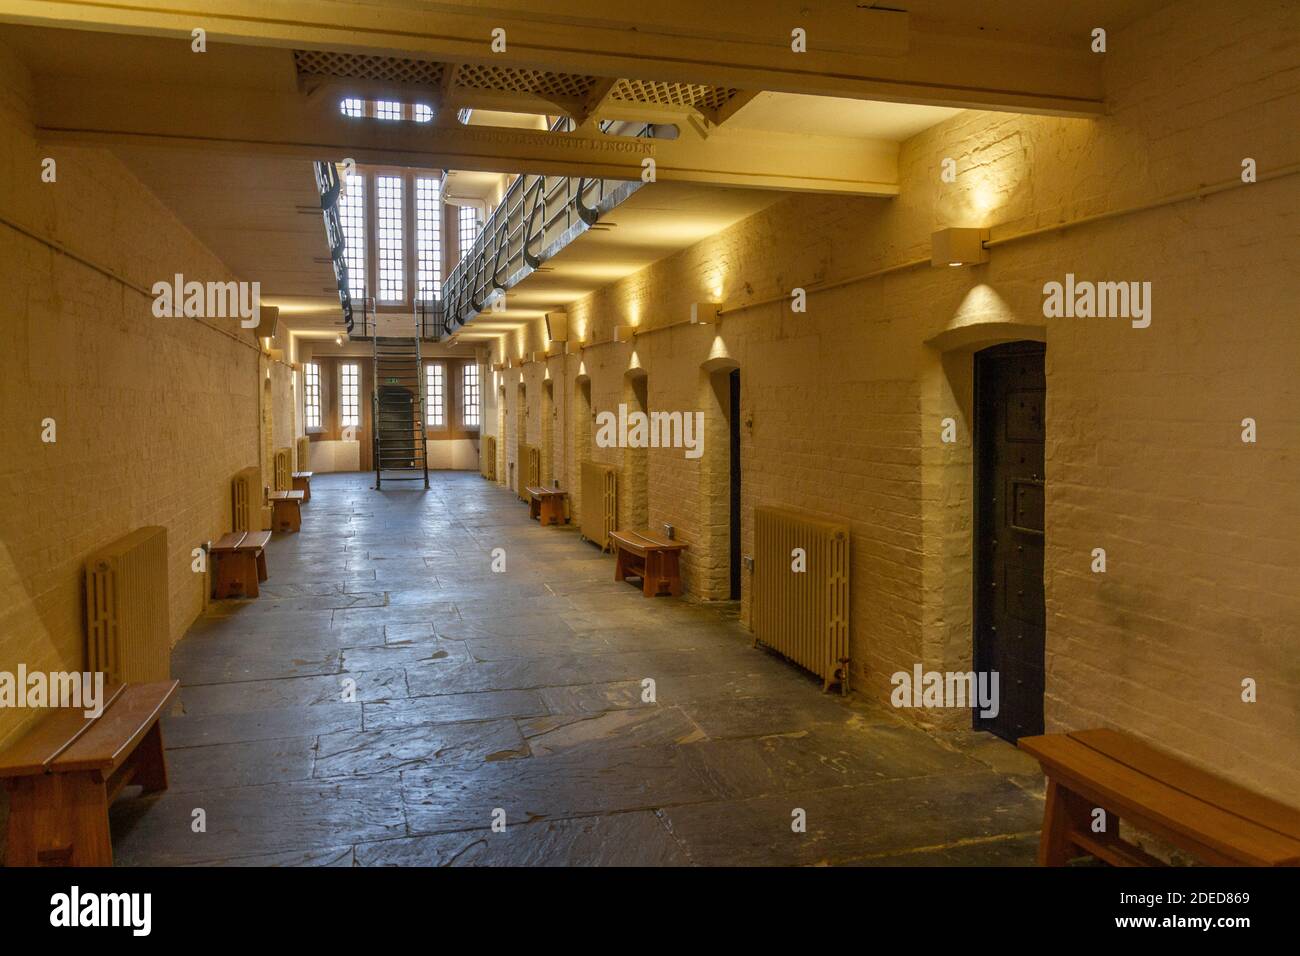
(400, 449)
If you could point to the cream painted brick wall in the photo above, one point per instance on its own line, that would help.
(154, 416)
(1143, 449)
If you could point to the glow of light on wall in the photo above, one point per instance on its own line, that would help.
(983, 197)
(982, 304)
(634, 313)
(634, 361)
(716, 285)
(718, 349)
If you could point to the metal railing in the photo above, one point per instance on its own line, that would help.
(538, 216)
(331, 187)
(429, 319)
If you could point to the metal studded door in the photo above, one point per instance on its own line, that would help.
(1010, 613)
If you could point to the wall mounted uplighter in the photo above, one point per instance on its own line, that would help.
(958, 247)
(704, 313)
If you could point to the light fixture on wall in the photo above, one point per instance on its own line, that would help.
(704, 313)
(338, 340)
(624, 333)
(958, 247)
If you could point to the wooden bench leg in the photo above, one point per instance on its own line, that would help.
(672, 569)
(286, 516)
(236, 575)
(261, 565)
(553, 511)
(650, 574)
(59, 819)
(620, 571)
(248, 574)
(1062, 815)
(92, 844)
(151, 761)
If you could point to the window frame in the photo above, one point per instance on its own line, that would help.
(343, 397)
(439, 239)
(465, 404)
(409, 113)
(462, 247)
(444, 424)
(310, 371)
(402, 220)
(410, 235)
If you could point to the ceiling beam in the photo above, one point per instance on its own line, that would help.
(586, 116)
(865, 53)
(244, 121)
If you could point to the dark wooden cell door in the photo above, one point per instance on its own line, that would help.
(1010, 613)
(733, 422)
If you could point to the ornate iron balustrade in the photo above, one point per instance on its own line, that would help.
(331, 187)
(538, 217)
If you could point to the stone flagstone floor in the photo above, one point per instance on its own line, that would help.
(521, 691)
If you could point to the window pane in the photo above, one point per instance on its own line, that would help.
(353, 107)
(468, 229)
(311, 394)
(388, 238)
(388, 110)
(421, 113)
(435, 397)
(470, 404)
(349, 395)
(352, 216)
(428, 240)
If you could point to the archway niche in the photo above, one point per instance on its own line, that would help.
(634, 486)
(582, 419)
(717, 514)
(947, 379)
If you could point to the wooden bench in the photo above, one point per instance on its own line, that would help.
(63, 774)
(1219, 822)
(652, 558)
(238, 564)
(286, 510)
(302, 482)
(546, 504)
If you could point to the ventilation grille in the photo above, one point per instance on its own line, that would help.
(506, 79)
(304, 454)
(354, 66)
(571, 86)
(598, 507)
(672, 94)
(803, 615)
(127, 631)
